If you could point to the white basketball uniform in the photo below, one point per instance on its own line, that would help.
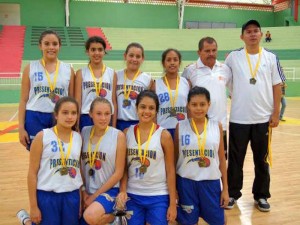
(49, 176)
(104, 165)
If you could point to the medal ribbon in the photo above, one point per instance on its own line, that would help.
(127, 93)
(201, 144)
(64, 157)
(51, 85)
(92, 155)
(253, 74)
(143, 157)
(99, 86)
(268, 157)
(173, 99)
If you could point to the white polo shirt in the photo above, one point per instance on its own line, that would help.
(252, 103)
(214, 80)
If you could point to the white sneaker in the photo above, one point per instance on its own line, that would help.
(23, 216)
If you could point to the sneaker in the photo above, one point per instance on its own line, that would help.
(263, 205)
(283, 120)
(23, 216)
(231, 203)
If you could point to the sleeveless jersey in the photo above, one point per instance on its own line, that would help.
(189, 152)
(104, 165)
(164, 118)
(49, 177)
(141, 83)
(39, 87)
(89, 90)
(154, 181)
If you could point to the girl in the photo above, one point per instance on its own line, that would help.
(131, 81)
(150, 176)
(103, 161)
(201, 163)
(172, 91)
(95, 80)
(44, 82)
(54, 175)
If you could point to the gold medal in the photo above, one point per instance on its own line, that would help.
(126, 102)
(204, 162)
(173, 112)
(143, 169)
(52, 95)
(91, 172)
(252, 81)
(64, 171)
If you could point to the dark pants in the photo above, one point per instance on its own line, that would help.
(239, 137)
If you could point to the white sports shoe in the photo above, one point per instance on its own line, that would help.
(23, 216)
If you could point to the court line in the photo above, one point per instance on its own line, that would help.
(292, 134)
(8, 129)
(13, 116)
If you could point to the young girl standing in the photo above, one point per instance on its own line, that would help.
(201, 163)
(54, 175)
(44, 82)
(172, 91)
(131, 81)
(150, 176)
(95, 80)
(103, 162)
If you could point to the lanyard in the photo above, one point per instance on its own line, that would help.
(51, 85)
(173, 99)
(64, 157)
(127, 93)
(253, 74)
(201, 145)
(143, 156)
(92, 155)
(97, 86)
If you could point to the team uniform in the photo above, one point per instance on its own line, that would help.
(58, 195)
(39, 107)
(214, 80)
(148, 192)
(251, 109)
(164, 116)
(104, 166)
(89, 92)
(127, 113)
(198, 188)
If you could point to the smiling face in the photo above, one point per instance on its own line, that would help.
(171, 63)
(146, 109)
(252, 35)
(208, 54)
(198, 106)
(101, 114)
(50, 46)
(134, 58)
(67, 115)
(95, 52)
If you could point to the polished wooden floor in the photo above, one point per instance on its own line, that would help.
(285, 176)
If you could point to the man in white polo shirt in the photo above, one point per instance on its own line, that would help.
(255, 82)
(208, 72)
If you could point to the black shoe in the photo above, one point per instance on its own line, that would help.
(283, 120)
(263, 205)
(231, 203)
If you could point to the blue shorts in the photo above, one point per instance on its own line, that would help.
(123, 124)
(199, 199)
(59, 208)
(37, 121)
(85, 120)
(107, 199)
(151, 209)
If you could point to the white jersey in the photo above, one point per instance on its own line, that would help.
(142, 82)
(39, 87)
(214, 80)
(104, 164)
(49, 177)
(164, 117)
(154, 181)
(252, 103)
(89, 90)
(189, 152)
